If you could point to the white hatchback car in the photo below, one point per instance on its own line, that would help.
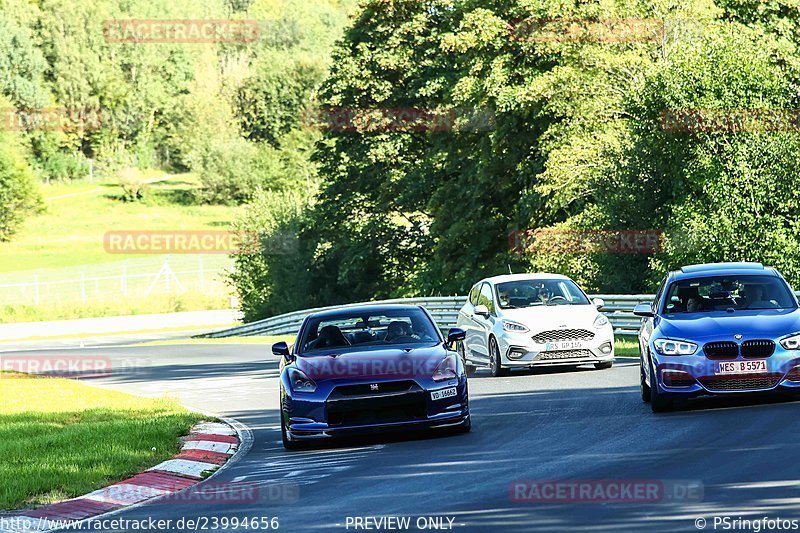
(531, 320)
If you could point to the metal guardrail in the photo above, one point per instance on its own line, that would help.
(444, 309)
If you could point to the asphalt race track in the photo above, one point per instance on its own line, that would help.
(565, 425)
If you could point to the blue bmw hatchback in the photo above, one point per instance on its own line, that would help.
(370, 368)
(719, 329)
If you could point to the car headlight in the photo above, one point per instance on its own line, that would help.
(300, 382)
(600, 321)
(446, 369)
(791, 343)
(674, 347)
(514, 327)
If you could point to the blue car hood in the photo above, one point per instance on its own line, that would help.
(767, 323)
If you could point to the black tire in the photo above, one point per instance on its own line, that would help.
(495, 361)
(470, 369)
(658, 403)
(645, 386)
(604, 366)
(290, 445)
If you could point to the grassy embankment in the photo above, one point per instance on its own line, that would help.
(60, 438)
(66, 241)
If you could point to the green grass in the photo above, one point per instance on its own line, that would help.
(60, 438)
(71, 230)
(156, 303)
(626, 346)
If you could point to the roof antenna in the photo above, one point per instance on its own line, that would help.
(509, 268)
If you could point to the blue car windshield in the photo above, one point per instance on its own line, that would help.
(720, 293)
(354, 329)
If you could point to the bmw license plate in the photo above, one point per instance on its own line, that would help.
(741, 367)
(444, 393)
(562, 345)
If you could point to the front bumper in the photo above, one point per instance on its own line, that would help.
(697, 375)
(310, 417)
(519, 350)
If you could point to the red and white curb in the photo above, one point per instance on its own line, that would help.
(209, 446)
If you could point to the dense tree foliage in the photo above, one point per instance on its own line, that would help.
(562, 131)
(577, 143)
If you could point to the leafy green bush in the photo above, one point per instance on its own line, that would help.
(18, 194)
(269, 275)
(62, 167)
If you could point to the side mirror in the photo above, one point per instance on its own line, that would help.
(281, 349)
(482, 310)
(599, 303)
(643, 309)
(455, 335)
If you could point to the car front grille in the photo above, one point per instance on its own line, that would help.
(395, 401)
(741, 382)
(758, 348)
(566, 354)
(721, 350)
(563, 335)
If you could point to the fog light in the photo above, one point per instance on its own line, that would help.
(606, 348)
(676, 378)
(794, 374)
(516, 353)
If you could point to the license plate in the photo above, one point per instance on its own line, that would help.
(741, 367)
(562, 345)
(444, 393)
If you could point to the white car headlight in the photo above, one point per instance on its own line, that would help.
(600, 321)
(791, 343)
(674, 347)
(514, 327)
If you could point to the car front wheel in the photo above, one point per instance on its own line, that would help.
(495, 361)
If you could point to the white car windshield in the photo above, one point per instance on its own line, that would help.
(530, 293)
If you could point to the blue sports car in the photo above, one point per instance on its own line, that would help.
(719, 329)
(370, 368)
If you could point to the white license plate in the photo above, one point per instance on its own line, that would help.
(741, 367)
(444, 393)
(562, 345)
